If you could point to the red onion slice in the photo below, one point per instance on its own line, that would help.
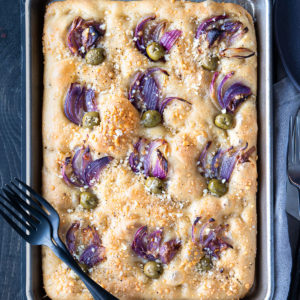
(73, 180)
(90, 236)
(146, 33)
(213, 35)
(150, 92)
(153, 241)
(139, 33)
(202, 28)
(70, 237)
(144, 92)
(212, 243)
(149, 159)
(231, 27)
(83, 35)
(92, 255)
(168, 250)
(235, 95)
(162, 104)
(134, 161)
(93, 169)
(220, 89)
(217, 29)
(90, 101)
(73, 98)
(201, 237)
(216, 162)
(245, 156)
(155, 163)
(81, 159)
(237, 35)
(223, 162)
(169, 39)
(79, 100)
(134, 93)
(151, 71)
(237, 53)
(160, 168)
(202, 159)
(212, 89)
(149, 246)
(157, 31)
(93, 252)
(228, 163)
(194, 229)
(136, 156)
(85, 171)
(139, 244)
(74, 36)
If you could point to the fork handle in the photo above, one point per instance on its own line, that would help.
(95, 289)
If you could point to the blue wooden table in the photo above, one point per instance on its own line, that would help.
(11, 246)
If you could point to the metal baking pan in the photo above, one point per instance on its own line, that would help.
(32, 139)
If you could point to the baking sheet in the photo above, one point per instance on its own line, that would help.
(32, 141)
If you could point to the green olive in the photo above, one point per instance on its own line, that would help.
(90, 119)
(205, 264)
(224, 121)
(210, 63)
(95, 56)
(88, 200)
(217, 187)
(155, 51)
(154, 185)
(151, 118)
(152, 269)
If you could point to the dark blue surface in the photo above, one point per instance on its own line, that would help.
(287, 29)
(10, 141)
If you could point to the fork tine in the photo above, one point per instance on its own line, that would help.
(14, 226)
(45, 203)
(18, 208)
(28, 227)
(291, 142)
(32, 202)
(13, 196)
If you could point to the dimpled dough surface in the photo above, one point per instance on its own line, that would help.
(124, 204)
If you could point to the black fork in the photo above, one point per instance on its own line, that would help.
(40, 227)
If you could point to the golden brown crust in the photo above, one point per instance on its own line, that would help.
(124, 203)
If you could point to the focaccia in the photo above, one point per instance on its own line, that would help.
(149, 142)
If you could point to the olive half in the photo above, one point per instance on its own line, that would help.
(217, 187)
(154, 185)
(155, 51)
(210, 63)
(151, 118)
(95, 56)
(205, 264)
(90, 119)
(224, 121)
(88, 200)
(152, 269)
